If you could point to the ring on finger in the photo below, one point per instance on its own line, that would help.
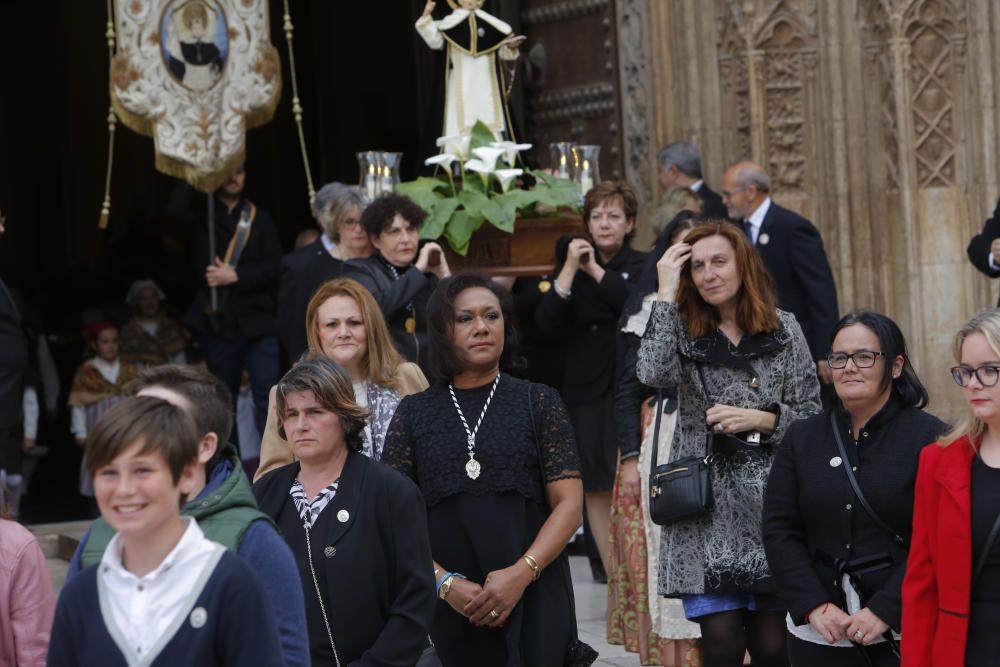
(719, 427)
(494, 615)
(860, 634)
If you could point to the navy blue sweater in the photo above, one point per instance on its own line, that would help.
(238, 629)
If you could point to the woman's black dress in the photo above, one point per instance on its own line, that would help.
(478, 526)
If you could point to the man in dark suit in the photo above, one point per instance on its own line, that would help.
(680, 167)
(337, 208)
(793, 253)
(240, 332)
(984, 248)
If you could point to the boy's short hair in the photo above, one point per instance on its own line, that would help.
(210, 400)
(159, 425)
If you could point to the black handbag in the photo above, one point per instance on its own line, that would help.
(682, 489)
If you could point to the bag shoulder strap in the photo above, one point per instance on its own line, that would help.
(981, 561)
(846, 465)
(656, 429)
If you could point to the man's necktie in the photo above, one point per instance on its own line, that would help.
(748, 228)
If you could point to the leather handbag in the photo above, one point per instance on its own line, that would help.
(682, 489)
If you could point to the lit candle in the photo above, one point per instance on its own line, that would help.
(563, 167)
(586, 178)
(370, 182)
(386, 180)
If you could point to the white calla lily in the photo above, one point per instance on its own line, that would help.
(444, 159)
(456, 144)
(488, 154)
(507, 176)
(480, 167)
(510, 150)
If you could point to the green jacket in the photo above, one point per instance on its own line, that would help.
(223, 515)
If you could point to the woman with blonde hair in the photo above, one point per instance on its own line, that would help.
(345, 324)
(951, 592)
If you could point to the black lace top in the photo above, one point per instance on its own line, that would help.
(427, 442)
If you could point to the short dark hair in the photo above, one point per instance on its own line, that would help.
(907, 387)
(159, 425)
(684, 155)
(607, 191)
(210, 400)
(333, 389)
(441, 356)
(378, 216)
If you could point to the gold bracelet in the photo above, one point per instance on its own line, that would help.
(533, 564)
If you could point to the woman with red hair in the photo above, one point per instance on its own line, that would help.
(743, 370)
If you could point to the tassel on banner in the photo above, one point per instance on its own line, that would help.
(109, 35)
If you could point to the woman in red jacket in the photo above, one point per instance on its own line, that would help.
(951, 593)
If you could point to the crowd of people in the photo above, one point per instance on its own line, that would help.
(417, 483)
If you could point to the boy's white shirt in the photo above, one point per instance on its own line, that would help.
(142, 609)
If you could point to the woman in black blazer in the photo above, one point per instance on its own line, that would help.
(594, 279)
(838, 570)
(358, 529)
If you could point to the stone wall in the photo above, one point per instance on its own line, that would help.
(877, 119)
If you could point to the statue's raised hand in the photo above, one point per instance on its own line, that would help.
(429, 7)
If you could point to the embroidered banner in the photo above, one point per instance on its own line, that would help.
(195, 75)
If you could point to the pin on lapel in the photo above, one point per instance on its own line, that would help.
(343, 516)
(763, 239)
(835, 461)
(198, 617)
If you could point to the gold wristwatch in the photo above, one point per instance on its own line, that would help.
(445, 587)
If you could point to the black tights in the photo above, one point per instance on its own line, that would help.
(725, 637)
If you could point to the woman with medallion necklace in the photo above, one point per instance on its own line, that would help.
(495, 459)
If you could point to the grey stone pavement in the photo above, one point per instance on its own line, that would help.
(591, 604)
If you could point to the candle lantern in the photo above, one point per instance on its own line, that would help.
(370, 171)
(562, 157)
(389, 178)
(586, 172)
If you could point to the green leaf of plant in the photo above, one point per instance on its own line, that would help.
(423, 191)
(458, 232)
(476, 203)
(439, 217)
(481, 136)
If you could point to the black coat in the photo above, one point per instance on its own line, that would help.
(372, 558)
(392, 297)
(793, 253)
(979, 247)
(711, 203)
(302, 271)
(247, 308)
(588, 321)
(810, 508)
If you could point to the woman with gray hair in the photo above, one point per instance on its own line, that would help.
(337, 208)
(358, 529)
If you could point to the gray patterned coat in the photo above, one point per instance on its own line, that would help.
(724, 551)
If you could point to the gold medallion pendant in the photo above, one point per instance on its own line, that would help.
(411, 325)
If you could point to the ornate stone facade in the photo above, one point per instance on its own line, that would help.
(876, 119)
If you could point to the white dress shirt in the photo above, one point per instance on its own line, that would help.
(696, 186)
(143, 613)
(327, 243)
(757, 219)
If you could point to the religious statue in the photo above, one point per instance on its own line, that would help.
(478, 46)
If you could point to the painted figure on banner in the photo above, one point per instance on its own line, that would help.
(195, 42)
(195, 75)
(481, 51)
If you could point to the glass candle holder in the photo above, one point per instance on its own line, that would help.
(587, 174)
(562, 159)
(389, 177)
(370, 170)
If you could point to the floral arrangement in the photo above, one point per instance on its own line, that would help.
(490, 189)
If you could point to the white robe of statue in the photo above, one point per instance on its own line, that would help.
(473, 90)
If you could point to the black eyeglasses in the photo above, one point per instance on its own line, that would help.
(861, 358)
(987, 375)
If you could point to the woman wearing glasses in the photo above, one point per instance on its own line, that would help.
(951, 593)
(838, 565)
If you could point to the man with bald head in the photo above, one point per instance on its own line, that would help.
(793, 253)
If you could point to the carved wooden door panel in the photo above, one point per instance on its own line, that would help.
(571, 82)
